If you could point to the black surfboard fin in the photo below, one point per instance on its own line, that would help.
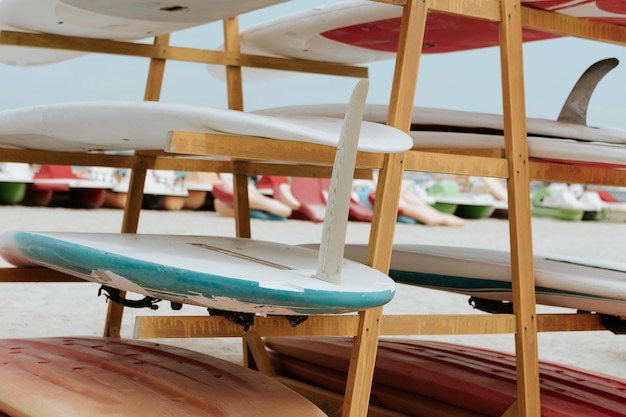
(574, 109)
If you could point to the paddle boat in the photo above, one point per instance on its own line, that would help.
(64, 185)
(163, 189)
(14, 179)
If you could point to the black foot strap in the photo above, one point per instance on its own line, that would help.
(244, 320)
(613, 323)
(295, 320)
(113, 294)
(491, 306)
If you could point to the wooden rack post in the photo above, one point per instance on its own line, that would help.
(132, 210)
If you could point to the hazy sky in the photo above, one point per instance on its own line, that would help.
(464, 80)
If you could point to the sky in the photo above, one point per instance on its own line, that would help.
(467, 80)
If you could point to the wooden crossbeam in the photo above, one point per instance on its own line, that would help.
(156, 327)
(176, 53)
(255, 148)
(561, 24)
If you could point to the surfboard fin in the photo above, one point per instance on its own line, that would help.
(574, 109)
(334, 231)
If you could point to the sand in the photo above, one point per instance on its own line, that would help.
(67, 309)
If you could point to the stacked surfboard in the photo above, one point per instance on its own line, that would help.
(580, 284)
(219, 273)
(427, 378)
(79, 376)
(114, 20)
(548, 140)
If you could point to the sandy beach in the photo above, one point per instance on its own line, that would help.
(65, 309)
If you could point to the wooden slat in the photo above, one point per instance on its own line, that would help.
(528, 402)
(401, 325)
(66, 158)
(255, 148)
(477, 9)
(234, 81)
(178, 163)
(234, 84)
(149, 327)
(457, 164)
(156, 72)
(134, 199)
(394, 2)
(571, 26)
(568, 322)
(365, 345)
(35, 275)
(546, 171)
(497, 153)
(177, 53)
(156, 327)
(329, 401)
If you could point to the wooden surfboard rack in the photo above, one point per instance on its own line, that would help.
(514, 166)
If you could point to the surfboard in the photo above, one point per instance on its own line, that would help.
(451, 129)
(84, 376)
(221, 273)
(562, 281)
(115, 20)
(420, 377)
(431, 127)
(137, 125)
(358, 31)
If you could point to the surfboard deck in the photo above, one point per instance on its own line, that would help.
(358, 31)
(231, 274)
(411, 374)
(81, 376)
(115, 20)
(578, 283)
(141, 125)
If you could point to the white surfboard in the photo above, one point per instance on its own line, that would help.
(233, 274)
(442, 120)
(442, 128)
(581, 284)
(136, 125)
(360, 31)
(112, 19)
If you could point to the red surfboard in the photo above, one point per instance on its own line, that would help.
(112, 377)
(359, 31)
(472, 379)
